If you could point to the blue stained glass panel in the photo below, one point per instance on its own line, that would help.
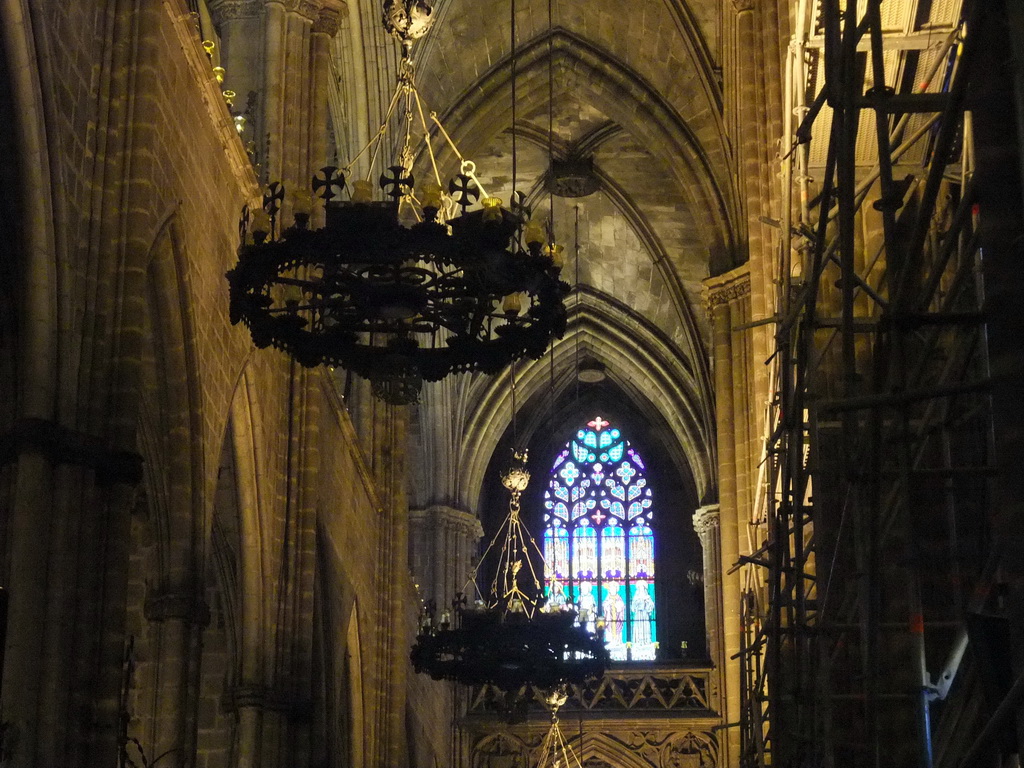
(583, 508)
(636, 458)
(556, 593)
(556, 551)
(584, 551)
(579, 452)
(625, 471)
(577, 493)
(613, 552)
(586, 600)
(636, 489)
(637, 507)
(643, 640)
(641, 551)
(613, 608)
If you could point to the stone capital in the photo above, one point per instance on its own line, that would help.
(308, 9)
(327, 22)
(743, 5)
(725, 289)
(181, 606)
(706, 519)
(270, 698)
(229, 10)
(467, 523)
(67, 446)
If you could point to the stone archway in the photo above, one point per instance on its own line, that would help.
(642, 361)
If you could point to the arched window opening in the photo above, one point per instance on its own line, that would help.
(598, 542)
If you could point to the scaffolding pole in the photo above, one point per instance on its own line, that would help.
(865, 532)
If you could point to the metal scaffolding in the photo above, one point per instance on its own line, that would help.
(870, 563)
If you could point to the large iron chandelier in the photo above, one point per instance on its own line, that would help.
(513, 636)
(425, 282)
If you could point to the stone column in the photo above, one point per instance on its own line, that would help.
(240, 23)
(276, 54)
(442, 543)
(66, 533)
(285, 733)
(324, 28)
(28, 529)
(266, 735)
(754, 99)
(250, 724)
(180, 616)
(727, 300)
(707, 525)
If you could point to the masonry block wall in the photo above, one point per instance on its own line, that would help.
(203, 565)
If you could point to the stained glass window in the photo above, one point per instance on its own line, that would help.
(598, 542)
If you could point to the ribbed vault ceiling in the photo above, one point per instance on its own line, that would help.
(633, 86)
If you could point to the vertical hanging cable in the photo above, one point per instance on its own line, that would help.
(551, 125)
(515, 168)
(512, 54)
(551, 195)
(512, 390)
(581, 726)
(579, 298)
(551, 383)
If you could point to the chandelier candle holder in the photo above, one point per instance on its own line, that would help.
(513, 636)
(415, 285)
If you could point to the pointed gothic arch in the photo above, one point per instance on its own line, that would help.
(609, 750)
(170, 414)
(640, 363)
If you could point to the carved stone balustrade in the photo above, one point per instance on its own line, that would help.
(675, 690)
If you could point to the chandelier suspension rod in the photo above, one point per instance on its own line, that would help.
(472, 577)
(426, 138)
(378, 139)
(451, 144)
(409, 92)
(512, 389)
(468, 166)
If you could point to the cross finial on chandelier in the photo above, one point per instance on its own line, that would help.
(598, 424)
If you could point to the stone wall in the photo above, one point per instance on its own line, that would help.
(204, 566)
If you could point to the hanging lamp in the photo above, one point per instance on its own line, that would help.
(416, 285)
(513, 636)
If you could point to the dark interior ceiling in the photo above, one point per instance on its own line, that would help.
(635, 88)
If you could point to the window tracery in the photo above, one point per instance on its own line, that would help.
(598, 541)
